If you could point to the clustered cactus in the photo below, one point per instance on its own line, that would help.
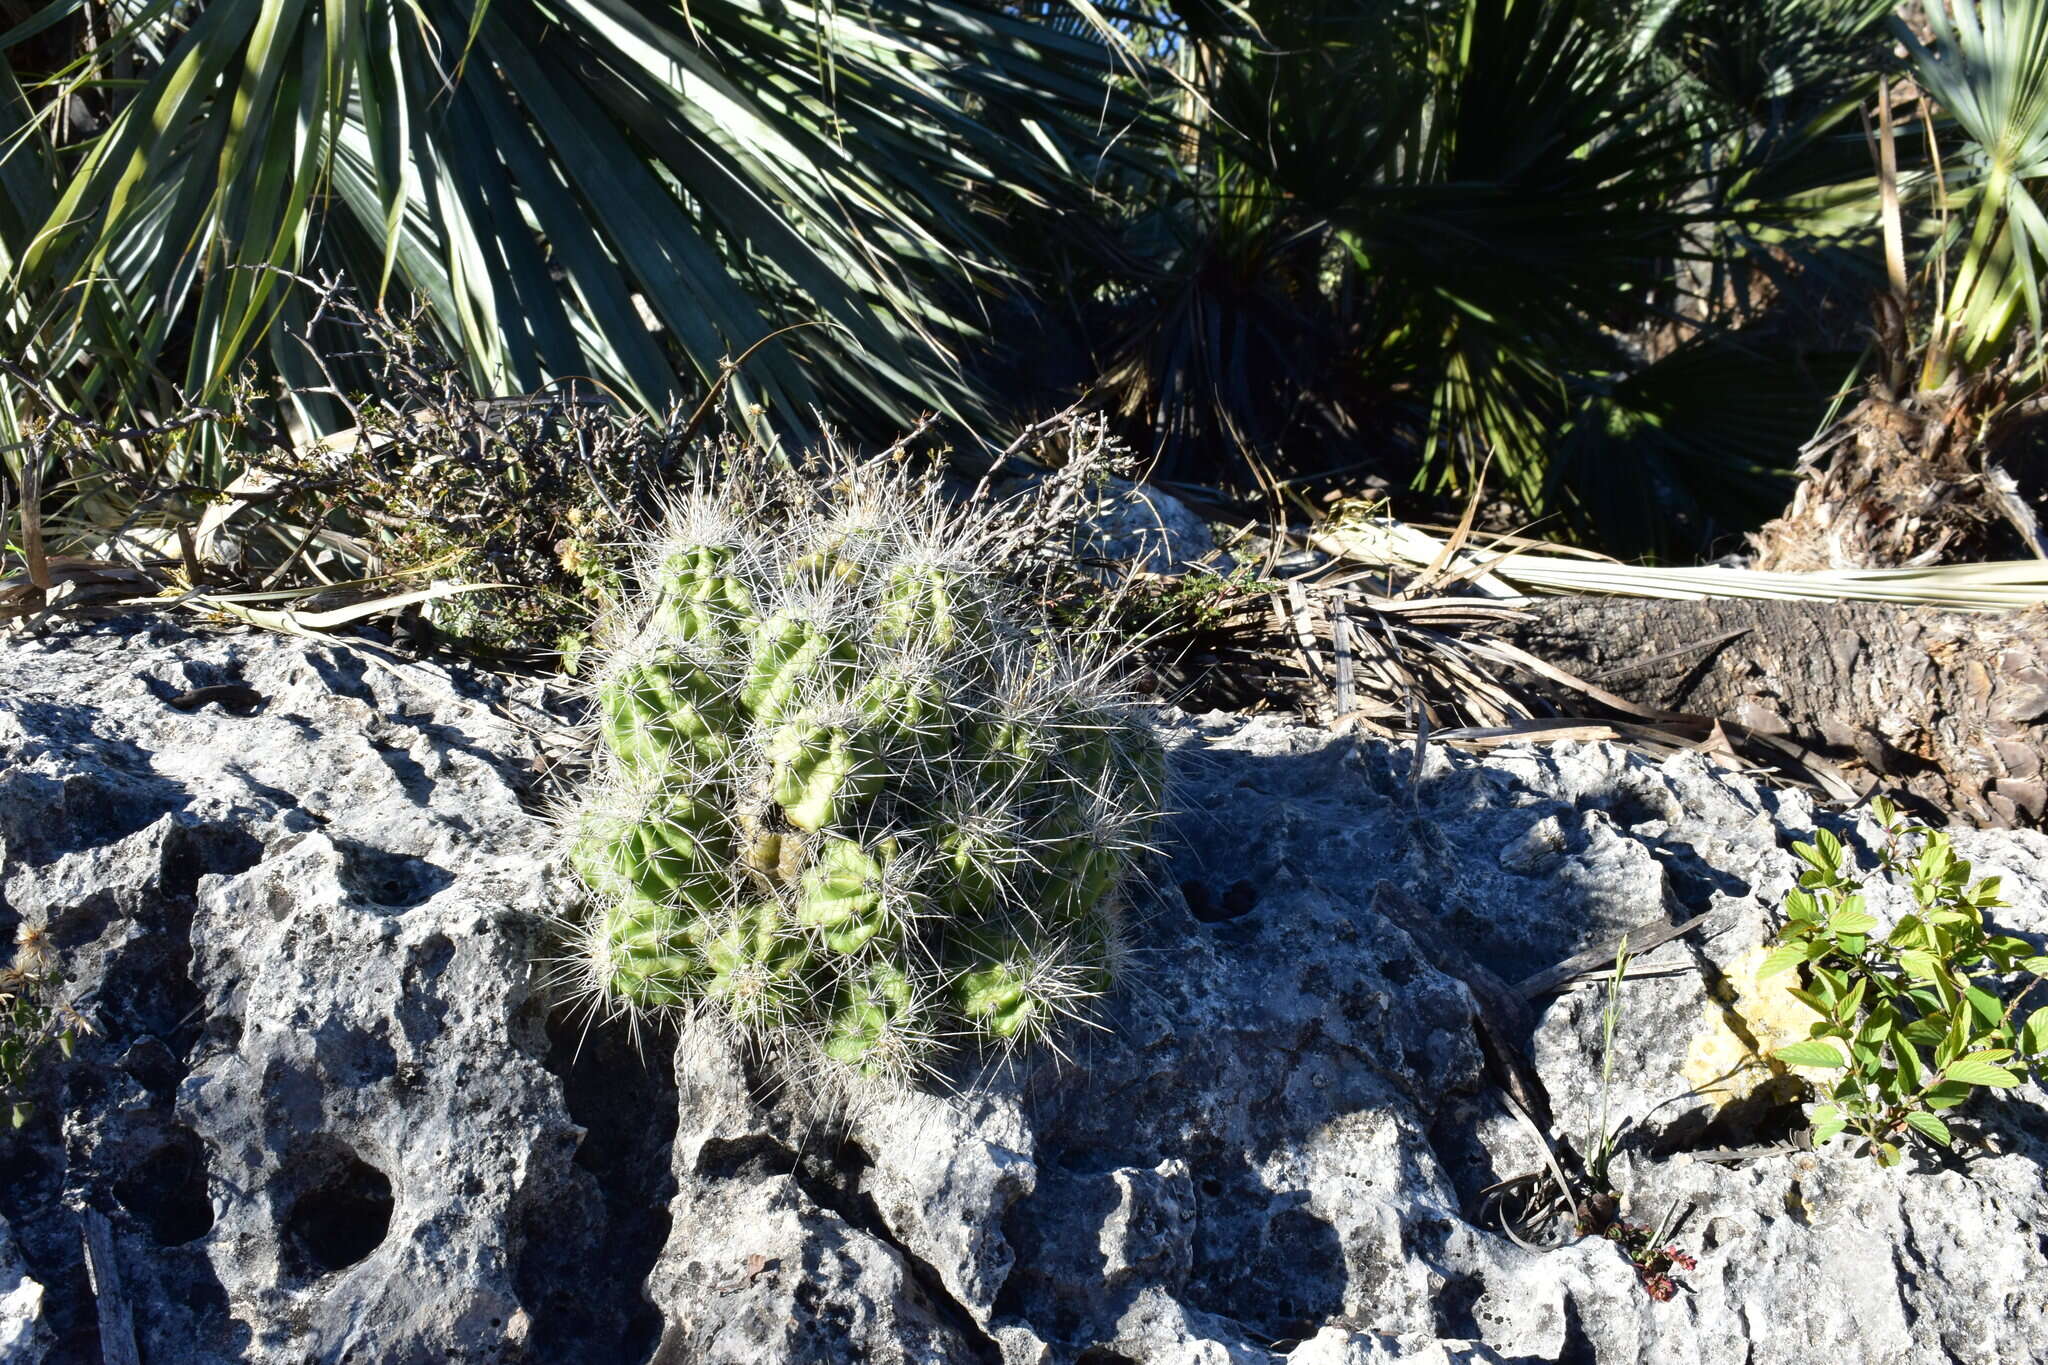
(848, 803)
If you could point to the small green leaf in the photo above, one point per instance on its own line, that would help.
(2034, 1033)
(1929, 1003)
(1828, 1122)
(1809, 999)
(1988, 1007)
(2037, 965)
(1911, 1071)
(1781, 958)
(1814, 1052)
(1930, 1126)
(1954, 1039)
(1851, 917)
(1886, 1154)
(1921, 964)
(1970, 1071)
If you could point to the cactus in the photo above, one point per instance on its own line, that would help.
(848, 801)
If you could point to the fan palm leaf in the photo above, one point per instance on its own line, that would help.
(1987, 70)
(627, 191)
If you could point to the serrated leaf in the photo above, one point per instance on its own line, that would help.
(1921, 964)
(1912, 1072)
(1808, 999)
(1851, 918)
(1946, 1095)
(1813, 1052)
(1988, 1007)
(1924, 1032)
(1928, 1125)
(1781, 958)
(2034, 1033)
(2037, 965)
(1969, 1071)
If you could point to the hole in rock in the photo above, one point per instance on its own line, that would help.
(25, 1179)
(340, 1217)
(393, 881)
(579, 1262)
(167, 1191)
(1772, 1114)
(1209, 908)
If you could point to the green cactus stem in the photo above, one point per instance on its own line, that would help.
(842, 894)
(793, 659)
(757, 967)
(820, 770)
(870, 1027)
(701, 599)
(648, 955)
(854, 799)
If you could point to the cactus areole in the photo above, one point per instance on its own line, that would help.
(851, 801)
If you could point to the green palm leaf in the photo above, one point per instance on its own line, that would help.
(1988, 72)
(627, 191)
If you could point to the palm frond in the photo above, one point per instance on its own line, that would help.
(576, 187)
(1988, 72)
(2003, 586)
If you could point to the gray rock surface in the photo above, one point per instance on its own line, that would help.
(331, 1118)
(1136, 528)
(23, 1334)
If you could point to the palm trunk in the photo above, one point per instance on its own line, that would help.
(1947, 708)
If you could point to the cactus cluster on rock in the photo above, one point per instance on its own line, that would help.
(850, 801)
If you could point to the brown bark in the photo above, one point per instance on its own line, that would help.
(1893, 483)
(1948, 477)
(1946, 707)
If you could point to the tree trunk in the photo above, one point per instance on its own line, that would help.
(1922, 480)
(1946, 707)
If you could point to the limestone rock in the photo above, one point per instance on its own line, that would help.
(330, 1116)
(1135, 528)
(24, 1336)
